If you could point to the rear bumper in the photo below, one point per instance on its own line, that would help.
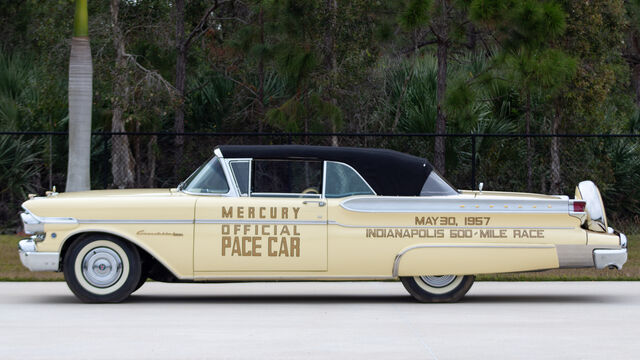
(37, 261)
(604, 258)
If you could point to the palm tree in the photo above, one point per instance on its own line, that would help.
(80, 97)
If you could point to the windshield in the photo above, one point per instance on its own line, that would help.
(437, 186)
(208, 179)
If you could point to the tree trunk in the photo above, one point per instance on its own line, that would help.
(529, 144)
(332, 7)
(151, 159)
(137, 159)
(636, 82)
(122, 162)
(555, 153)
(261, 73)
(472, 37)
(80, 98)
(181, 68)
(441, 116)
(635, 67)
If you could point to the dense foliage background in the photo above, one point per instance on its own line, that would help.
(274, 66)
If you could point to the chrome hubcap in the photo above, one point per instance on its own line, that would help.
(438, 281)
(102, 267)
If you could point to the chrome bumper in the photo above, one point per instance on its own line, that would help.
(37, 261)
(604, 258)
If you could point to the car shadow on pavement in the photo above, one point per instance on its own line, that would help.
(236, 299)
(336, 299)
(538, 299)
(368, 299)
(273, 299)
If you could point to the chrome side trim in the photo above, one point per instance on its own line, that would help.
(33, 218)
(37, 261)
(333, 222)
(204, 221)
(58, 220)
(34, 224)
(288, 195)
(227, 194)
(123, 221)
(604, 258)
(396, 261)
(453, 204)
(262, 222)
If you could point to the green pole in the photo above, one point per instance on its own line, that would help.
(81, 19)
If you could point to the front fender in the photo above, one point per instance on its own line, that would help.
(177, 262)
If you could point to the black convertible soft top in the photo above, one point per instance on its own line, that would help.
(389, 172)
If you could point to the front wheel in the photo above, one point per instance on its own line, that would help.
(102, 268)
(434, 289)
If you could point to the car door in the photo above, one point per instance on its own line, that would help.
(278, 223)
(352, 253)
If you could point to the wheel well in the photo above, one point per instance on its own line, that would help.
(151, 267)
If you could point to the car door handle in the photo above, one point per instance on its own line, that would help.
(319, 202)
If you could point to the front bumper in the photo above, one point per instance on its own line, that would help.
(607, 258)
(37, 261)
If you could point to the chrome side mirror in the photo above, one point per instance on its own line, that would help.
(480, 186)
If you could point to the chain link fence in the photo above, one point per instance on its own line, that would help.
(33, 162)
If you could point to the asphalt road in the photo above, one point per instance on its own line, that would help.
(510, 320)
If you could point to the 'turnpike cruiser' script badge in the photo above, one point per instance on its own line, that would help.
(158, 233)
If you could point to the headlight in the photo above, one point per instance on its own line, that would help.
(31, 224)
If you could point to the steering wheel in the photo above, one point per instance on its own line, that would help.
(310, 190)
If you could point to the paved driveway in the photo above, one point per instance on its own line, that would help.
(510, 320)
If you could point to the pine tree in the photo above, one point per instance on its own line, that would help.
(524, 31)
(438, 23)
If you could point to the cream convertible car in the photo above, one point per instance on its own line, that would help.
(312, 213)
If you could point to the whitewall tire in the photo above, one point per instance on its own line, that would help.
(445, 288)
(102, 268)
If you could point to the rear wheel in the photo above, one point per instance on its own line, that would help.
(102, 268)
(433, 289)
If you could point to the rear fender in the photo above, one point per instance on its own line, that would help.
(465, 259)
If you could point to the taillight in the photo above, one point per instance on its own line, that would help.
(577, 205)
